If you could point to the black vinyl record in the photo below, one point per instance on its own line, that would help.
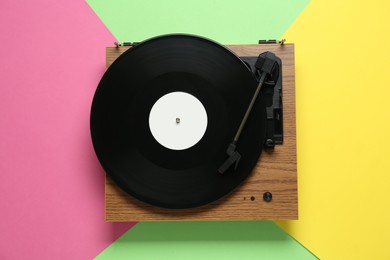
(121, 134)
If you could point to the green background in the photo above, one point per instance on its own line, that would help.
(206, 240)
(244, 21)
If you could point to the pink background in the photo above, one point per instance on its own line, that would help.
(51, 184)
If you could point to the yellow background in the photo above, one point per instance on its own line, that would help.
(343, 127)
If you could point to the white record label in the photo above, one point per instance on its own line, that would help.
(178, 120)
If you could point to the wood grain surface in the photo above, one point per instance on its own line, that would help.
(275, 171)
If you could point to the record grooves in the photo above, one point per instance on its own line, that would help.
(121, 133)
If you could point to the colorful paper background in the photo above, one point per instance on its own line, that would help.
(51, 185)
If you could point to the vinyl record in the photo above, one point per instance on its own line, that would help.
(164, 114)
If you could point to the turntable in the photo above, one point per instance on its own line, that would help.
(188, 129)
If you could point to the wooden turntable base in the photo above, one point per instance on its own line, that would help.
(275, 172)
